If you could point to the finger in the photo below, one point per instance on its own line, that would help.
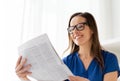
(26, 68)
(24, 75)
(20, 66)
(18, 61)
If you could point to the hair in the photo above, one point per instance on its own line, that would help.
(95, 45)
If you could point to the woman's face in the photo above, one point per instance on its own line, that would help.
(80, 36)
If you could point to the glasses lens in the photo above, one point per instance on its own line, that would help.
(70, 29)
(80, 27)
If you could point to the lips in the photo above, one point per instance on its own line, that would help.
(78, 37)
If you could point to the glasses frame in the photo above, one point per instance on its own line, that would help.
(79, 27)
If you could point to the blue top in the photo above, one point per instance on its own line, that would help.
(94, 72)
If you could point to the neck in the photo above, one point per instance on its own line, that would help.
(85, 50)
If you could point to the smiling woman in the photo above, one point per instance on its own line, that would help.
(87, 58)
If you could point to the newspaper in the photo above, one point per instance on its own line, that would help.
(46, 64)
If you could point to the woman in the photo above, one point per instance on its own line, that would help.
(87, 60)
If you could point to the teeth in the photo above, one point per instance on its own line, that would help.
(78, 37)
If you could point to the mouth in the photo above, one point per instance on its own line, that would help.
(78, 37)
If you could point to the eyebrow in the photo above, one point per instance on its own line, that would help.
(79, 23)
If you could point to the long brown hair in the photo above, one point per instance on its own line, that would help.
(96, 47)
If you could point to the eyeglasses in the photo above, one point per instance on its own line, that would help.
(79, 27)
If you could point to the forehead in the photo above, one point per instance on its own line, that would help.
(77, 19)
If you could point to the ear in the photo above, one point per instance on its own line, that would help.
(92, 32)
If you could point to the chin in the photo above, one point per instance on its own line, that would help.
(78, 43)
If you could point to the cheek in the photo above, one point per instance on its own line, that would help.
(90, 34)
(89, 31)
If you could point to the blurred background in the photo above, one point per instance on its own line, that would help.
(22, 20)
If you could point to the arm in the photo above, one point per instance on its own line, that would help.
(112, 76)
(77, 78)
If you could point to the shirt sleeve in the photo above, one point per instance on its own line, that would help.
(111, 64)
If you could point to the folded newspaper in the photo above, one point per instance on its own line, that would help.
(46, 64)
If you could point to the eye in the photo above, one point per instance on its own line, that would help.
(80, 26)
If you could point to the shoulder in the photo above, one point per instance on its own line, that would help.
(108, 55)
(69, 58)
(110, 61)
(109, 58)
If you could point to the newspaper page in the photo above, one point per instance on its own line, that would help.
(46, 64)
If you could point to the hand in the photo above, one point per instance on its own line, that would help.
(77, 78)
(21, 70)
